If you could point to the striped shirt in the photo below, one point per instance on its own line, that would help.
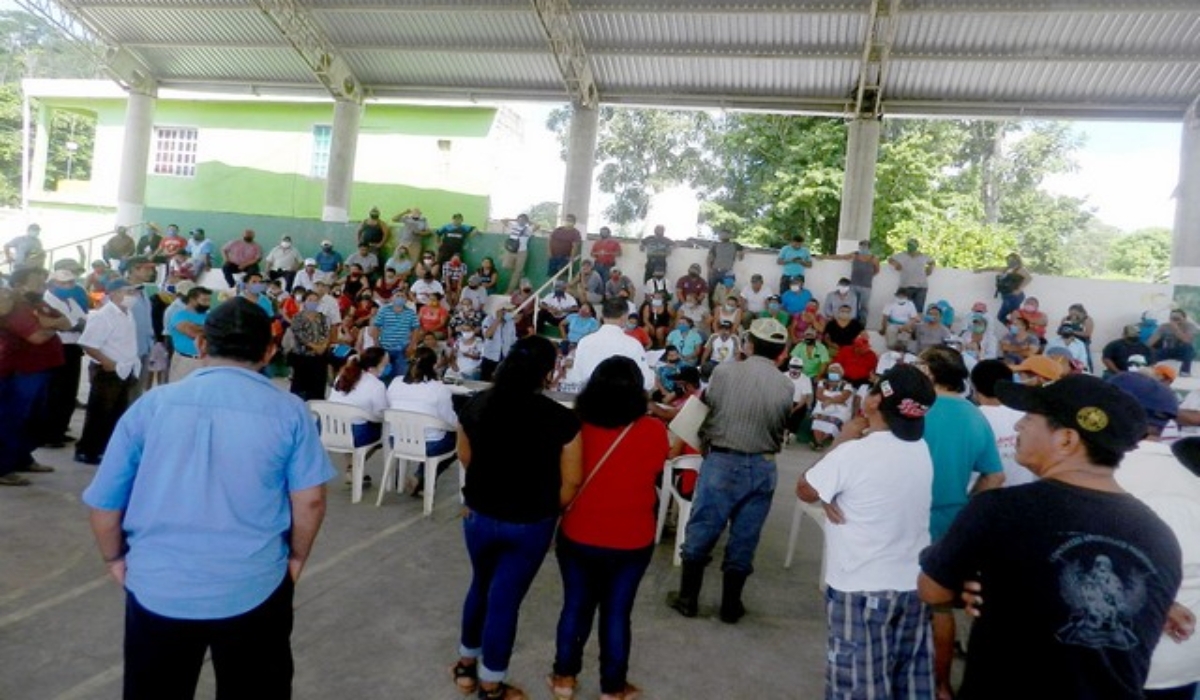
(749, 404)
(395, 327)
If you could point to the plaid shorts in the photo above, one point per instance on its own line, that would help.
(880, 646)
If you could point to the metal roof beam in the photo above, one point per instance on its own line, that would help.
(126, 69)
(567, 46)
(881, 32)
(301, 31)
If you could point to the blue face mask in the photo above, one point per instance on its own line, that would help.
(684, 328)
(311, 306)
(930, 318)
(257, 288)
(834, 377)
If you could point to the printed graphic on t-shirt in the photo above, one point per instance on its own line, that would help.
(1102, 582)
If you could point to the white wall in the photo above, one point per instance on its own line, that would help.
(1111, 304)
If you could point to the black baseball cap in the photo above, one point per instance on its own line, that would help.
(1102, 413)
(907, 396)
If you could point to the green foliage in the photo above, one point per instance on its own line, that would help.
(69, 128)
(1086, 252)
(958, 242)
(10, 145)
(1143, 255)
(545, 214)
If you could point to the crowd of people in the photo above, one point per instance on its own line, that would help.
(971, 458)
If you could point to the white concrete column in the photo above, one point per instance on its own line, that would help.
(342, 149)
(858, 185)
(41, 149)
(135, 156)
(581, 162)
(1185, 245)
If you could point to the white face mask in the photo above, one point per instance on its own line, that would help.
(468, 335)
(285, 245)
(842, 289)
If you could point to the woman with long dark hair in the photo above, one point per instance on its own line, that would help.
(606, 538)
(521, 450)
(422, 391)
(360, 383)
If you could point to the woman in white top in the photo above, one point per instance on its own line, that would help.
(468, 353)
(360, 383)
(420, 391)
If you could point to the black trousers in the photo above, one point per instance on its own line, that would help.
(288, 277)
(64, 388)
(107, 400)
(310, 376)
(229, 269)
(251, 652)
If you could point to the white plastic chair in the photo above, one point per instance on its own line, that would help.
(406, 429)
(337, 435)
(669, 493)
(817, 513)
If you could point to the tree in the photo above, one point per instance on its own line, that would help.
(1143, 255)
(641, 152)
(544, 214)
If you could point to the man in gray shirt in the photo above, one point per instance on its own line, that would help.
(749, 403)
(721, 257)
(915, 268)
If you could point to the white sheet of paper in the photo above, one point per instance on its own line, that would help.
(686, 424)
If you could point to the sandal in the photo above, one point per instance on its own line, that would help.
(563, 687)
(503, 691)
(631, 692)
(466, 677)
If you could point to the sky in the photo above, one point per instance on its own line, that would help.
(1127, 171)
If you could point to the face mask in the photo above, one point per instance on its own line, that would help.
(631, 325)
(773, 306)
(656, 303)
(285, 245)
(1014, 329)
(979, 328)
(834, 377)
(684, 328)
(901, 300)
(796, 288)
(398, 302)
(202, 308)
(912, 248)
(257, 287)
(930, 318)
(311, 306)
(864, 249)
(842, 289)
(1028, 308)
(731, 305)
(468, 335)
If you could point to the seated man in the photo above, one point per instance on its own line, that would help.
(557, 305)
(1173, 341)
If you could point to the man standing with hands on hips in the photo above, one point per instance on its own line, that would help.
(208, 529)
(749, 404)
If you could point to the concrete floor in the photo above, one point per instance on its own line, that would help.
(377, 610)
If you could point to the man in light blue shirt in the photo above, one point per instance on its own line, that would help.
(209, 527)
(794, 257)
(184, 328)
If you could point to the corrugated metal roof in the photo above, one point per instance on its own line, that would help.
(1069, 57)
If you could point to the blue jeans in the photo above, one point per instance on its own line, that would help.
(556, 263)
(505, 557)
(399, 362)
(23, 405)
(1008, 304)
(733, 489)
(598, 577)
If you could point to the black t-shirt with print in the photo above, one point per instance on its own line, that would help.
(516, 445)
(1076, 588)
(843, 335)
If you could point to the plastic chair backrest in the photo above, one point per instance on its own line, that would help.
(335, 422)
(407, 432)
(684, 463)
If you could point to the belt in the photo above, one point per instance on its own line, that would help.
(726, 450)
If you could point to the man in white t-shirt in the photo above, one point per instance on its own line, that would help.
(754, 298)
(1002, 418)
(802, 397)
(722, 346)
(608, 341)
(899, 316)
(426, 287)
(877, 491)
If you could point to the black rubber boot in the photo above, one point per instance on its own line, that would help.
(732, 609)
(687, 600)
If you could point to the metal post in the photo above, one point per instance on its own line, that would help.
(1185, 244)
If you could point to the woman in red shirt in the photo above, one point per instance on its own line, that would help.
(606, 537)
(434, 317)
(857, 360)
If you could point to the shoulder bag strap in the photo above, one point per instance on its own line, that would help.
(599, 465)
